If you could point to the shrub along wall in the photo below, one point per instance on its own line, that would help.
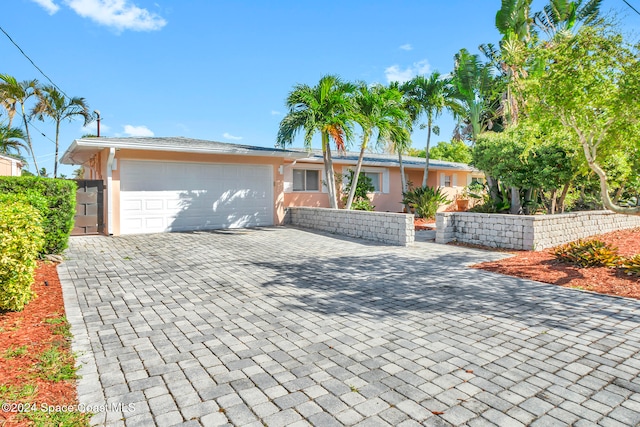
(21, 240)
(57, 210)
(527, 232)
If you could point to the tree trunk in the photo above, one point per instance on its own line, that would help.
(604, 193)
(329, 175)
(563, 196)
(619, 192)
(494, 191)
(26, 129)
(55, 164)
(552, 201)
(515, 201)
(426, 152)
(403, 180)
(356, 175)
(527, 201)
(590, 154)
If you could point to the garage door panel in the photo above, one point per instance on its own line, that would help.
(154, 205)
(174, 196)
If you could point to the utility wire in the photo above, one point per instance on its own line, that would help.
(33, 63)
(632, 8)
(35, 127)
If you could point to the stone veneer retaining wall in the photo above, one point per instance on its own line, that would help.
(386, 227)
(528, 232)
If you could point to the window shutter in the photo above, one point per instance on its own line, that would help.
(288, 179)
(385, 181)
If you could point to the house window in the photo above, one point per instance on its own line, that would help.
(447, 180)
(376, 180)
(306, 180)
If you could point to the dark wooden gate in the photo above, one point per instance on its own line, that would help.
(89, 217)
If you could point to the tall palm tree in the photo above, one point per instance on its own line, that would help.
(400, 140)
(427, 96)
(10, 140)
(566, 15)
(476, 92)
(325, 108)
(55, 105)
(20, 92)
(376, 108)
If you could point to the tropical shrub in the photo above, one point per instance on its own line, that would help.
(60, 206)
(21, 240)
(424, 201)
(588, 253)
(365, 186)
(631, 266)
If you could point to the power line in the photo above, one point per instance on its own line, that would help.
(35, 127)
(33, 63)
(632, 8)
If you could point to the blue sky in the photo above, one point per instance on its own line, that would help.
(221, 70)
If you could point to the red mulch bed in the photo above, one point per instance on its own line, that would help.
(424, 224)
(28, 330)
(543, 267)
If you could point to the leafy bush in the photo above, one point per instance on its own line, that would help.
(631, 266)
(362, 205)
(60, 206)
(361, 200)
(424, 201)
(480, 191)
(21, 239)
(588, 253)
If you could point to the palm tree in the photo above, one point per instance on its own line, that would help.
(55, 105)
(476, 92)
(20, 92)
(376, 108)
(399, 141)
(564, 15)
(427, 96)
(325, 108)
(10, 140)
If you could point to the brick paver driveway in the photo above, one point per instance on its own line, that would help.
(286, 327)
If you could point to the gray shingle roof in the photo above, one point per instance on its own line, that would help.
(383, 159)
(180, 142)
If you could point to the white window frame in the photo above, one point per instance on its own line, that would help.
(379, 174)
(305, 174)
(288, 177)
(384, 176)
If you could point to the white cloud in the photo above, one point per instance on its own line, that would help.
(92, 128)
(275, 113)
(119, 14)
(406, 47)
(140, 131)
(227, 135)
(48, 5)
(395, 74)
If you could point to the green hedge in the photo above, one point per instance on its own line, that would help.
(21, 240)
(60, 207)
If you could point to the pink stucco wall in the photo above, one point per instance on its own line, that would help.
(96, 168)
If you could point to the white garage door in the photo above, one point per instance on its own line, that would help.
(175, 196)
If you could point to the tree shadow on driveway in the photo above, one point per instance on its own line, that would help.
(387, 285)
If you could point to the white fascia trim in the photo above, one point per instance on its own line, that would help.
(183, 149)
(112, 154)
